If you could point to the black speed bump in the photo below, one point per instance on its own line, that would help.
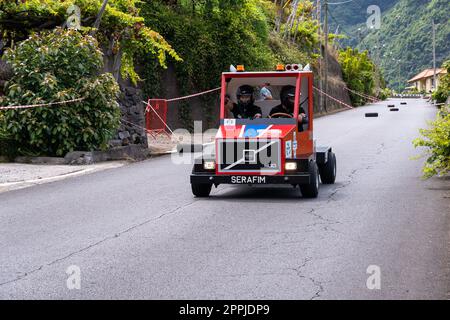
(394, 109)
(403, 103)
(371, 114)
(391, 105)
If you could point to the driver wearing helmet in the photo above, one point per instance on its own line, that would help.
(245, 108)
(287, 97)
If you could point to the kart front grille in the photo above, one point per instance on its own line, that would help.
(249, 156)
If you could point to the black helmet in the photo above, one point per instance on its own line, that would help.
(287, 93)
(246, 90)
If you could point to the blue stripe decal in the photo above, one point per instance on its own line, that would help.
(253, 130)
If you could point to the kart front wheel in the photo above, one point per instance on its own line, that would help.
(201, 190)
(328, 170)
(311, 190)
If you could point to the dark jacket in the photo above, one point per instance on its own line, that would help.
(281, 109)
(249, 112)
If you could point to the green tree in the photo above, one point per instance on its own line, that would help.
(52, 67)
(358, 72)
(443, 91)
(122, 34)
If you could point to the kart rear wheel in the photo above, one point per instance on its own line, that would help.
(311, 190)
(328, 170)
(201, 190)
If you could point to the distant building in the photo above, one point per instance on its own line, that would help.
(424, 81)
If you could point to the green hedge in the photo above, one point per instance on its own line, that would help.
(52, 67)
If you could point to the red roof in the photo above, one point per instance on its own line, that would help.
(427, 73)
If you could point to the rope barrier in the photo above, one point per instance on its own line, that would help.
(333, 98)
(30, 106)
(134, 125)
(373, 99)
(193, 95)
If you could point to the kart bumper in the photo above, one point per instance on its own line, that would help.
(294, 179)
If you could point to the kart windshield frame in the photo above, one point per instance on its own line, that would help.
(227, 76)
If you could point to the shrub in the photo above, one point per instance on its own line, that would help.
(53, 67)
(358, 72)
(384, 94)
(443, 91)
(437, 140)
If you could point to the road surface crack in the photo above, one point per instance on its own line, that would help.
(350, 177)
(325, 222)
(318, 284)
(117, 235)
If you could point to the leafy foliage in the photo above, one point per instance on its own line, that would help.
(443, 91)
(385, 93)
(52, 67)
(211, 35)
(437, 141)
(359, 73)
(122, 29)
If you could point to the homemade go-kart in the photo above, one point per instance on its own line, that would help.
(271, 149)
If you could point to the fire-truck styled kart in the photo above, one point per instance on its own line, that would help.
(276, 149)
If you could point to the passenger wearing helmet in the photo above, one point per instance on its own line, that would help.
(287, 97)
(245, 107)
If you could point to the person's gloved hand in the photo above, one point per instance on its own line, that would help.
(301, 116)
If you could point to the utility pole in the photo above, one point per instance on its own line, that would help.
(100, 15)
(434, 57)
(319, 36)
(325, 54)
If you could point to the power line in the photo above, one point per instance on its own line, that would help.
(345, 31)
(342, 2)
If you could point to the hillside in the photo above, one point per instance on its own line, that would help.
(403, 45)
(212, 36)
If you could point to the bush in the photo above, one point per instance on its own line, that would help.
(358, 72)
(53, 67)
(443, 91)
(437, 140)
(384, 94)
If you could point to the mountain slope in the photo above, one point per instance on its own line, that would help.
(403, 45)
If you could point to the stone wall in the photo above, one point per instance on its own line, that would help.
(132, 116)
(5, 74)
(132, 109)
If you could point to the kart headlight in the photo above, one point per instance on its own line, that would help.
(290, 166)
(209, 165)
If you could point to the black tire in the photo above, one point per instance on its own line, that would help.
(328, 170)
(311, 190)
(201, 190)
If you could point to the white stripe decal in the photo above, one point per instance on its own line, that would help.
(265, 131)
(241, 134)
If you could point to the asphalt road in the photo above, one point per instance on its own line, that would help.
(137, 232)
